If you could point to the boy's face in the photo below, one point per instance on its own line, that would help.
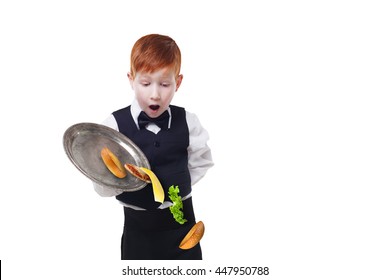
(154, 91)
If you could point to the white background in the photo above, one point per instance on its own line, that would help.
(294, 95)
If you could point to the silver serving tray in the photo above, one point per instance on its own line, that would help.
(83, 143)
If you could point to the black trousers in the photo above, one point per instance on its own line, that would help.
(155, 235)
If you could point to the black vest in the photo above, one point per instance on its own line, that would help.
(166, 152)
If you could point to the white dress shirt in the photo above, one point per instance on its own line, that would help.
(199, 154)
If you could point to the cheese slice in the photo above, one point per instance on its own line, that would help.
(158, 191)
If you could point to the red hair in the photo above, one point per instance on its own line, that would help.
(154, 52)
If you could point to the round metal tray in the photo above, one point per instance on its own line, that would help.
(83, 143)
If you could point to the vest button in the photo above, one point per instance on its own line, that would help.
(157, 144)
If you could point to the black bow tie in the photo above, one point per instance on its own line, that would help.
(161, 121)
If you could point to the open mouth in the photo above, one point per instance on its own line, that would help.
(154, 107)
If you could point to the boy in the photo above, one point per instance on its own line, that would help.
(175, 144)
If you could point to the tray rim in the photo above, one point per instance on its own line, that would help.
(66, 140)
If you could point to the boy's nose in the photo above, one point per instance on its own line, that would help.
(155, 93)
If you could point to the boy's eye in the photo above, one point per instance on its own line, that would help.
(145, 84)
(165, 84)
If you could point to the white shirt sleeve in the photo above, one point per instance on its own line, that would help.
(199, 154)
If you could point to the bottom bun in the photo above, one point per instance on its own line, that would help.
(193, 236)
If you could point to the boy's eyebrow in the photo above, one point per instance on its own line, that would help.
(141, 75)
(165, 77)
(148, 76)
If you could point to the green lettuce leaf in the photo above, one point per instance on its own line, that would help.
(177, 207)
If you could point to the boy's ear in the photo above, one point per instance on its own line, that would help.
(130, 77)
(179, 79)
